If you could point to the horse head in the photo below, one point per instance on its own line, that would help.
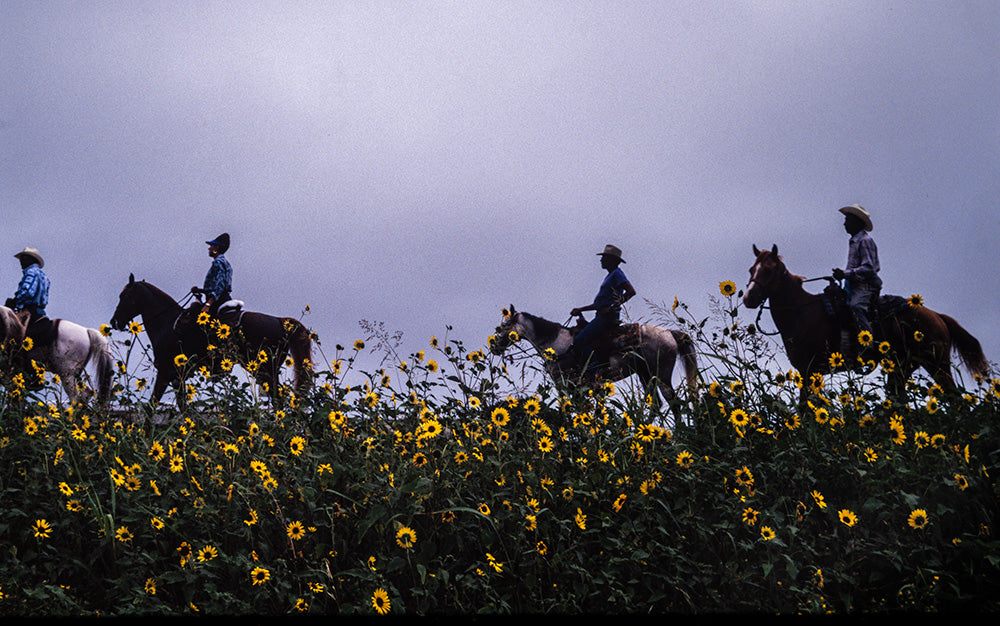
(128, 305)
(507, 332)
(766, 268)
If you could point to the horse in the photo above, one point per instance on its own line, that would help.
(652, 359)
(163, 319)
(67, 354)
(919, 336)
(11, 326)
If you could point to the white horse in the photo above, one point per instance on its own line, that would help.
(653, 360)
(72, 349)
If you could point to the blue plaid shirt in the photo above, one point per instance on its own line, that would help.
(33, 290)
(219, 281)
(862, 258)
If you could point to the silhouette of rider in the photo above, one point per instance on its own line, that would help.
(861, 273)
(614, 291)
(219, 280)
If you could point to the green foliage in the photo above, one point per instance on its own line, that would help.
(446, 484)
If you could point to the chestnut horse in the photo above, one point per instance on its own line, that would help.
(161, 315)
(918, 336)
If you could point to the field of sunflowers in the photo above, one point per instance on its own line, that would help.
(443, 483)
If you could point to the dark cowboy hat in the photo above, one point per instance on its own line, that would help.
(222, 241)
(31, 253)
(612, 251)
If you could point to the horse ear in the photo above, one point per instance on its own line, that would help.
(512, 311)
(756, 252)
(774, 249)
(131, 278)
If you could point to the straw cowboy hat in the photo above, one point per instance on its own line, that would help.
(858, 211)
(610, 250)
(32, 253)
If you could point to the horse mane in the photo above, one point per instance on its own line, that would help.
(156, 291)
(546, 331)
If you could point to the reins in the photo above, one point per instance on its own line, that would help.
(760, 309)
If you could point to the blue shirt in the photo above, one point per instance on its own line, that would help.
(33, 290)
(862, 258)
(611, 291)
(219, 280)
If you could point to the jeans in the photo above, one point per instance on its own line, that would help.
(860, 296)
(586, 338)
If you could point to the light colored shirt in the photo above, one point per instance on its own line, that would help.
(862, 258)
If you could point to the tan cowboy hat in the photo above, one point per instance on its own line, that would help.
(610, 250)
(858, 211)
(33, 253)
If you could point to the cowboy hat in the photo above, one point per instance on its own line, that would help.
(222, 241)
(33, 253)
(610, 250)
(858, 211)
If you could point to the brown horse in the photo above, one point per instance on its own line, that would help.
(169, 337)
(918, 336)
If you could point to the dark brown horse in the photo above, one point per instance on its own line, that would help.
(170, 336)
(918, 336)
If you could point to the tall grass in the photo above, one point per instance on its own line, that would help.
(442, 483)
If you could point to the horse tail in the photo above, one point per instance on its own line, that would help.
(100, 351)
(300, 346)
(967, 346)
(686, 350)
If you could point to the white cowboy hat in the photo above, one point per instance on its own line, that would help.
(610, 250)
(33, 253)
(858, 211)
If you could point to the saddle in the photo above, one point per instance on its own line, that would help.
(621, 339)
(882, 309)
(229, 313)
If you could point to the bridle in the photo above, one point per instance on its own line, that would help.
(760, 308)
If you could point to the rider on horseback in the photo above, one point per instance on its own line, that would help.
(863, 283)
(615, 290)
(219, 280)
(32, 294)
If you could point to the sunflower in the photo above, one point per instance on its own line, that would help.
(917, 519)
(134, 327)
(847, 517)
(380, 601)
(915, 300)
(727, 288)
(297, 445)
(865, 338)
(500, 417)
(766, 533)
(685, 459)
(295, 530)
(123, 534)
(259, 575)
(836, 360)
(744, 476)
(545, 444)
(406, 537)
(739, 418)
(818, 497)
(750, 516)
(42, 529)
(180, 360)
(532, 407)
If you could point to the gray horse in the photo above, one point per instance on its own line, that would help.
(652, 359)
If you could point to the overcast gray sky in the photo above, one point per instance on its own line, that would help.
(426, 163)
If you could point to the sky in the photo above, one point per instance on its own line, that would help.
(424, 164)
